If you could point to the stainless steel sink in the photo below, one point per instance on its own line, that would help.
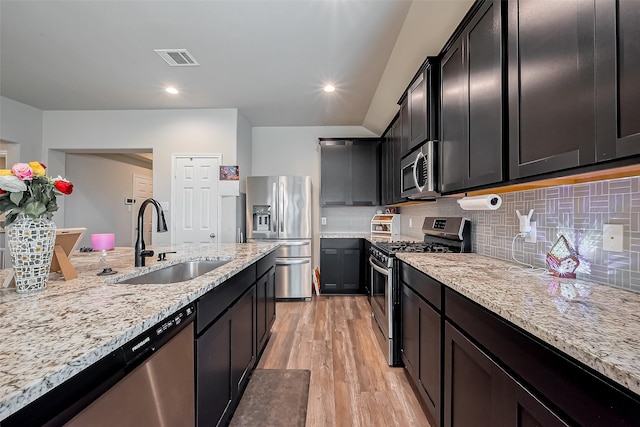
(175, 273)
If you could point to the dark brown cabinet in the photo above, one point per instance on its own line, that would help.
(417, 96)
(233, 323)
(349, 172)
(471, 125)
(480, 393)
(421, 347)
(225, 355)
(214, 390)
(618, 78)
(266, 306)
(243, 344)
(341, 266)
(552, 90)
(418, 108)
(421, 336)
(391, 154)
(266, 300)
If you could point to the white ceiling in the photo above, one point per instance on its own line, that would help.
(270, 59)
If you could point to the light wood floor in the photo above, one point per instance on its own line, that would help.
(351, 383)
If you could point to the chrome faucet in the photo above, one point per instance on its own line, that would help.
(141, 253)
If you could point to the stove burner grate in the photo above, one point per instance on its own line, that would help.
(393, 247)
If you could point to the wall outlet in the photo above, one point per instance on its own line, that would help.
(410, 222)
(324, 220)
(612, 239)
(533, 233)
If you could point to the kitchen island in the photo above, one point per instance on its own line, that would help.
(52, 335)
(572, 343)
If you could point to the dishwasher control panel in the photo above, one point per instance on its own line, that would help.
(161, 332)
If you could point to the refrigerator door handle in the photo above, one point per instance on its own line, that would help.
(281, 206)
(274, 199)
(293, 261)
(302, 243)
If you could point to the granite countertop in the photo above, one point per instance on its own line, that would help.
(51, 335)
(596, 324)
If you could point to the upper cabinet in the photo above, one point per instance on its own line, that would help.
(618, 79)
(471, 110)
(418, 108)
(552, 102)
(529, 90)
(391, 154)
(349, 172)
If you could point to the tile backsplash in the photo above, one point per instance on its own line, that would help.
(354, 219)
(576, 211)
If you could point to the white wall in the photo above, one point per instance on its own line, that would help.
(97, 202)
(22, 124)
(244, 150)
(295, 151)
(166, 132)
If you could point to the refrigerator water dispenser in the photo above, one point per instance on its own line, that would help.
(261, 218)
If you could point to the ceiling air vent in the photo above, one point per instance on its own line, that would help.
(177, 57)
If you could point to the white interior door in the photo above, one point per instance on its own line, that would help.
(195, 194)
(142, 190)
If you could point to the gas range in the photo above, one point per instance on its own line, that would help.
(441, 235)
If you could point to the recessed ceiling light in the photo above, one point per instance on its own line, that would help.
(172, 90)
(329, 88)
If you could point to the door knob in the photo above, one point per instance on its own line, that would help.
(212, 235)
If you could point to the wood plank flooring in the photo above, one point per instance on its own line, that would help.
(351, 383)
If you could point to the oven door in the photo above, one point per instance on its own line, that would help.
(382, 307)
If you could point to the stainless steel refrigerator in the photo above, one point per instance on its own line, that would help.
(279, 209)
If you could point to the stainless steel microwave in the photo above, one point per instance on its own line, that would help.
(419, 173)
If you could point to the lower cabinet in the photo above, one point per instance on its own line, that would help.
(213, 374)
(340, 266)
(471, 367)
(266, 307)
(243, 343)
(225, 356)
(421, 343)
(479, 393)
(233, 324)
(421, 347)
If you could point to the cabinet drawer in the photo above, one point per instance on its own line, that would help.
(264, 264)
(340, 243)
(428, 288)
(216, 302)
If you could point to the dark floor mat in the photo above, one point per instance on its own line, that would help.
(274, 398)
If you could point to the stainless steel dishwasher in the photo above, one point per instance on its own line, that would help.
(150, 380)
(159, 390)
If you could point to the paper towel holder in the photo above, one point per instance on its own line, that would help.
(483, 202)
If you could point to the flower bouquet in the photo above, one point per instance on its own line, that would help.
(25, 190)
(28, 201)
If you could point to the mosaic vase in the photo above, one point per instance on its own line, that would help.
(30, 242)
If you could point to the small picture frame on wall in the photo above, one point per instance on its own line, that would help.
(229, 173)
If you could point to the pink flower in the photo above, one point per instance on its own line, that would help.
(23, 171)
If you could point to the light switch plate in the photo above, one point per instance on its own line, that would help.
(612, 238)
(324, 220)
